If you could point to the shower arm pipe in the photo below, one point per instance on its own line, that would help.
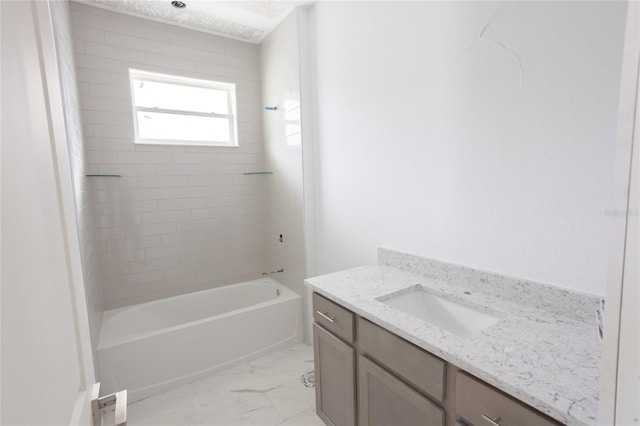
(273, 272)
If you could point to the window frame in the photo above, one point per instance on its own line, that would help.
(229, 88)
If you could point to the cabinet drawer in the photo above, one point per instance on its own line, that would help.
(333, 317)
(478, 403)
(412, 364)
(384, 400)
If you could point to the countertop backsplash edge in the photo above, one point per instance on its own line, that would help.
(560, 301)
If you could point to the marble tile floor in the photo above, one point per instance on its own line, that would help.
(265, 392)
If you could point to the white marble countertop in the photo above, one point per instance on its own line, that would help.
(547, 358)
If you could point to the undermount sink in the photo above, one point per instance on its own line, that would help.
(448, 315)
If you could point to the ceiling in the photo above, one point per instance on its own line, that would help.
(248, 21)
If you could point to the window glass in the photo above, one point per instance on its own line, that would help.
(182, 111)
(154, 125)
(153, 94)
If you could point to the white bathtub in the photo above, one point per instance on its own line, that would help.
(155, 346)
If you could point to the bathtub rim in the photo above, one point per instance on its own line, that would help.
(285, 295)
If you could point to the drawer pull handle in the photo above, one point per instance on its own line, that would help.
(493, 422)
(325, 316)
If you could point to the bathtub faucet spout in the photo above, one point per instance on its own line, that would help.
(273, 272)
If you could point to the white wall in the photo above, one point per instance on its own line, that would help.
(628, 384)
(283, 152)
(42, 369)
(280, 59)
(427, 143)
(180, 218)
(61, 22)
(620, 345)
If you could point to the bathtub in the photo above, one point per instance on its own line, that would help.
(155, 346)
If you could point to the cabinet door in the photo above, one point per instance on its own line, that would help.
(414, 366)
(335, 378)
(384, 400)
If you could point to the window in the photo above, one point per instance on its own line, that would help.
(174, 110)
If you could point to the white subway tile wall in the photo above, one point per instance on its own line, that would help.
(283, 152)
(89, 248)
(180, 218)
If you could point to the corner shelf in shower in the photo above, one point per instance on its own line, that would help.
(102, 175)
(257, 173)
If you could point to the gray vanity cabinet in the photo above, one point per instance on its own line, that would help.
(406, 361)
(398, 383)
(334, 360)
(384, 400)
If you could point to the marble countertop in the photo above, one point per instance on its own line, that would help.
(545, 351)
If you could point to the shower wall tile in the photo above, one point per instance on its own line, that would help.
(85, 212)
(181, 218)
(283, 152)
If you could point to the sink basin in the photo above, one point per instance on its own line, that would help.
(446, 314)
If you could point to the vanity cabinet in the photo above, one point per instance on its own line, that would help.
(418, 368)
(398, 383)
(385, 400)
(335, 360)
